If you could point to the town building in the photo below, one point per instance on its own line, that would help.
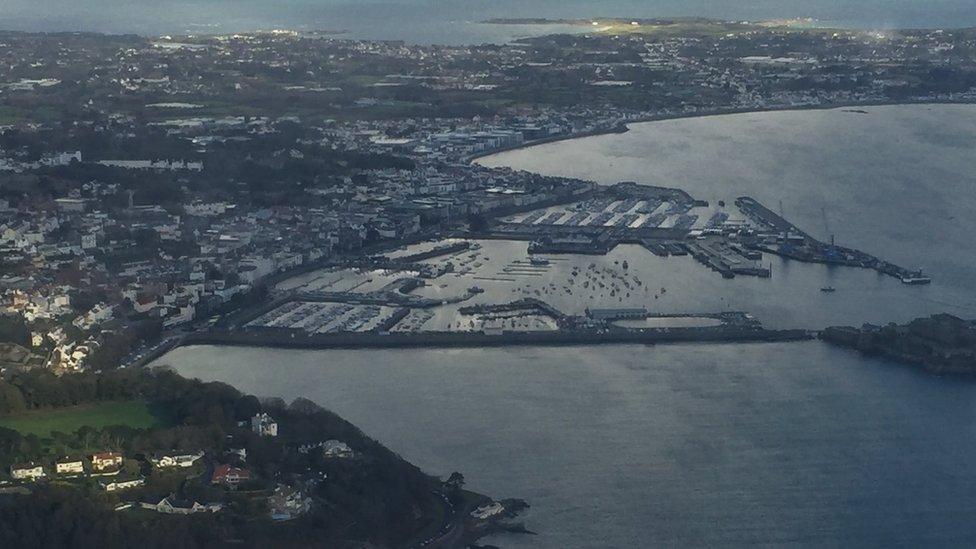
(106, 461)
(264, 425)
(287, 503)
(171, 505)
(336, 449)
(27, 471)
(115, 485)
(229, 475)
(163, 461)
(69, 466)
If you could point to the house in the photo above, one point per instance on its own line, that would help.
(287, 503)
(336, 449)
(170, 505)
(163, 461)
(229, 475)
(122, 484)
(487, 511)
(76, 205)
(27, 471)
(69, 466)
(262, 424)
(106, 461)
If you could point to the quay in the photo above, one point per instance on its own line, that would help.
(793, 243)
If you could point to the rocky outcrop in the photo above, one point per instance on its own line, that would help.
(942, 344)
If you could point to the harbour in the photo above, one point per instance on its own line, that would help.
(714, 431)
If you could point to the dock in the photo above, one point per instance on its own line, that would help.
(789, 241)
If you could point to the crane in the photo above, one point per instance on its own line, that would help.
(823, 212)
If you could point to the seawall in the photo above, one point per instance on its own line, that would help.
(368, 340)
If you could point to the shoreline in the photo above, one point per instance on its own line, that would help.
(623, 127)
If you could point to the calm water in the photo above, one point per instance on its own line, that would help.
(679, 445)
(701, 445)
(446, 21)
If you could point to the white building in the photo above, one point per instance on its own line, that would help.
(263, 425)
(89, 241)
(28, 471)
(336, 449)
(61, 159)
(206, 209)
(487, 511)
(120, 484)
(175, 460)
(162, 165)
(172, 506)
(69, 466)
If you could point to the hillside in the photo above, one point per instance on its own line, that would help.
(191, 464)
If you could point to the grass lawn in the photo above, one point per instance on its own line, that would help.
(10, 115)
(134, 413)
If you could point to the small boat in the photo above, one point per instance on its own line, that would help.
(828, 289)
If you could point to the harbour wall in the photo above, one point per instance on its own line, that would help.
(367, 340)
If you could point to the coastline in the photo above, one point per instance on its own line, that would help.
(622, 127)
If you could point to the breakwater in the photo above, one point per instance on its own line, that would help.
(369, 340)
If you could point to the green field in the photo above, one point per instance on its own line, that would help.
(9, 115)
(134, 413)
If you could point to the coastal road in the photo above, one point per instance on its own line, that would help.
(141, 357)
(449, 528)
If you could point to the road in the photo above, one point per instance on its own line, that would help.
(449, 529)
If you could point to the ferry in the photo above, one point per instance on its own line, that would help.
(916, 279)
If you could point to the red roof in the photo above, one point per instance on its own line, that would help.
(223, 473)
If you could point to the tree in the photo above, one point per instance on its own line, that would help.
(11, 399)
(247, 407)
(13, 329)
(455, 481)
